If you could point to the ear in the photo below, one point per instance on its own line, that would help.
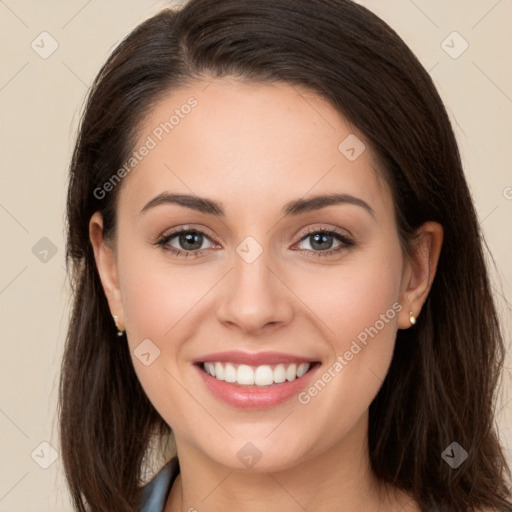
(106, 264)
(419, 271)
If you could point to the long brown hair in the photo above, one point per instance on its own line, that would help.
(445, 371)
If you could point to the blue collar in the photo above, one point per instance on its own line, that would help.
(156, 491)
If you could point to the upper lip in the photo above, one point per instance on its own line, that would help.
(253, 359)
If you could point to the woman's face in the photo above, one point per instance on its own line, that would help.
(255, 274)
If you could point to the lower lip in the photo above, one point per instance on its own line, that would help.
(248, 397)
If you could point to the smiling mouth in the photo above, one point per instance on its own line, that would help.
(256, 376)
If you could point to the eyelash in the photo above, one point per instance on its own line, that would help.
(346, 242)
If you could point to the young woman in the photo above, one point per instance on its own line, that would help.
(280, 293)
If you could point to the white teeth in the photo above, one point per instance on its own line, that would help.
(229, 373)
(244, 375)
(264, 375)
(279, 373)
(209, 368)
(291, 372)
(302, 369)
(219, 371)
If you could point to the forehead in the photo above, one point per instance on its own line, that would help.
(242, 143)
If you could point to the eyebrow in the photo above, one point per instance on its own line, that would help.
(296, 207)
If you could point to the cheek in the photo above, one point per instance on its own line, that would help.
(165, 303)
(358, 305)
(354, 295)
(158, 301)
(156, 295)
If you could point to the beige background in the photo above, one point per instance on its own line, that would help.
(40, 102)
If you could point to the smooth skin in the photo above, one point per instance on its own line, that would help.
(254, 148)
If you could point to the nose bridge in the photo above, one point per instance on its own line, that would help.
(252, 265)
(254, 296)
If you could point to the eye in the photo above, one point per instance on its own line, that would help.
(321, 241)
(189, 241)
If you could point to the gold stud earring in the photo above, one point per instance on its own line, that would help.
(412, 318)
(120, 331)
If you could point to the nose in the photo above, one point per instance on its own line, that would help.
(254, 297)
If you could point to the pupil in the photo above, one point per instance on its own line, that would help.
(322, 238)
(187, 240)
